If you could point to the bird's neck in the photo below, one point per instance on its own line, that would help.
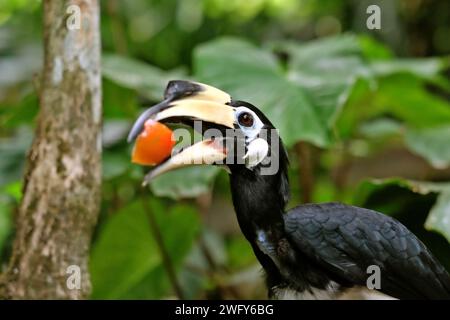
(259, 200)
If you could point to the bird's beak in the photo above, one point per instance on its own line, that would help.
(184, 102)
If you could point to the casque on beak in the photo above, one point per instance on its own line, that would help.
(185, 101)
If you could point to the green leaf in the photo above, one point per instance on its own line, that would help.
(155, 285)
(374, 50)
(328, 69)
(337, 69)
(134, 74)
(432, 144)
(439, 216)
(17, 111)
(240, 253)
(114, 132)
(13, 153)
(252, 74)
(14, 190)
(380, 127)
(341, 45)
(188, 182)
(404, 96)
(125, 256)
(124, 253)
(421, 187)
(401, 96)
(119, 102)
(329, 81)
(114, 164)
(427, 68)
(357, 107)
(5, 221)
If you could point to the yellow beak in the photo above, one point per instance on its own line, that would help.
(190, 101)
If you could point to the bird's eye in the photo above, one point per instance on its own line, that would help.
(245, 119)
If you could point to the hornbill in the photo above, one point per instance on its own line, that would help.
(313, 251)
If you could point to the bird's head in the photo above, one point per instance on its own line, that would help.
(235, 134)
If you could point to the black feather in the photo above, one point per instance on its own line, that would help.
(346, 240)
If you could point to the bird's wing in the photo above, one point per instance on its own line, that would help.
(345, 240)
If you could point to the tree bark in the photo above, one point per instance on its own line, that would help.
(61, 189)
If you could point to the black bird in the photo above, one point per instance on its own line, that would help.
(313, 251)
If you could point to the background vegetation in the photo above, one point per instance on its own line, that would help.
(365, 115)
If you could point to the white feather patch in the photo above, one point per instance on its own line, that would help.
(256, 152)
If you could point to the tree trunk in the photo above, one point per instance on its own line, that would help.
(61, 189)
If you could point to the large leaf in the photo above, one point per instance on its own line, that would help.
(373, 50)
(188, 182)
(357, 108)
(341, 45)
(426, 68)
(328, 69)
(134, 74)
(114, 164)
(126, 256)
(252, 74)
(402, 96)
(331, 68)
(114, 132)
(405, 97)
(432, 144)
(439, 216)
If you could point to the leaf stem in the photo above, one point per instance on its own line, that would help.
(167, 261)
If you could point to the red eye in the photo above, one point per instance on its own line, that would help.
(245, 119)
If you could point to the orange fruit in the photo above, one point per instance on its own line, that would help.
(153, 145)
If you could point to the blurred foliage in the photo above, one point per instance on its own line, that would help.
(126, 250)
(373, 107)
